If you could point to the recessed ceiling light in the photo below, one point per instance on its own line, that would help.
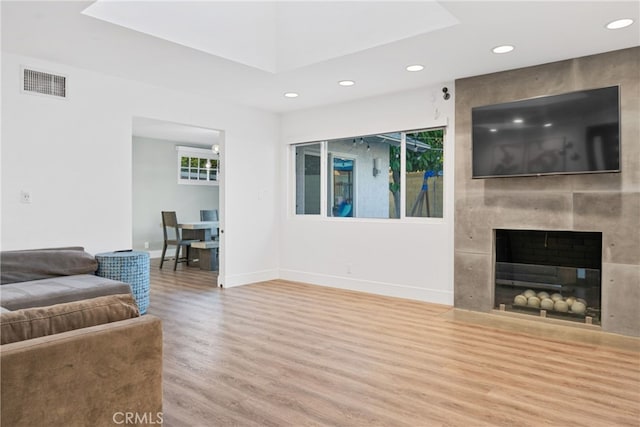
(291, 95)
(346, 82)
(518, 121)
(416, 67)
(503, 49)
(619, 23)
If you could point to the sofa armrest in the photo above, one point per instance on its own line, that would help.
(84, 377)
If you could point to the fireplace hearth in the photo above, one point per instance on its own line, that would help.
(553, 274)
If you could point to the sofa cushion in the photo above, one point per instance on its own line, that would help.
(37, 322)
(22, 266)
(40, 293)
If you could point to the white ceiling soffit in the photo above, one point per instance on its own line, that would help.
(277, 36)
(168, 131)
(541, 31)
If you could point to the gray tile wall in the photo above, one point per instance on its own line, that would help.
(609, 203)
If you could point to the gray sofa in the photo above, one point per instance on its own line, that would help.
(42, 277)
(74, 349)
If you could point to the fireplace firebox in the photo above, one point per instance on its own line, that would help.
(554, 274)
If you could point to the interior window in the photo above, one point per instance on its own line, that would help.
(366, 176)
(358, 176)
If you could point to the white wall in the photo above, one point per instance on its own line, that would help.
(411, 258)
(75, 158)
(156, 189)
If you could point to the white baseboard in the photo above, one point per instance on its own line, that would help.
(232, 280)
(435, 296)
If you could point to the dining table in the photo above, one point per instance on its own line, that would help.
(208, 249)
(199, 230)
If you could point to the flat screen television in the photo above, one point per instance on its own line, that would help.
(576, 132)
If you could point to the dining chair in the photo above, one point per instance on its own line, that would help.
(210, 215)
(172, 237)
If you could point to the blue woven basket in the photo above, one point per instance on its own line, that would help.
(128, 267)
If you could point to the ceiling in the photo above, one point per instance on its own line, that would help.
(276, 36)
(158, 129)
(251, 53)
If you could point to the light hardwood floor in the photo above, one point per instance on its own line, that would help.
(286, 354)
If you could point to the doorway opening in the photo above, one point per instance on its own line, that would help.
(175, 167)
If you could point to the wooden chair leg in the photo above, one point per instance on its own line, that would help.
(175, 263)
(164, 252)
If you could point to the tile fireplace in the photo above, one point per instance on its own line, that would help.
(606, 203)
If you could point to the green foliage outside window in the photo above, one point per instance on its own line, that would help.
(416, 160)
(195, 169)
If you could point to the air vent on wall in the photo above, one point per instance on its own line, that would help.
(44, 83)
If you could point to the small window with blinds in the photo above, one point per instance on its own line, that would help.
(43, 83)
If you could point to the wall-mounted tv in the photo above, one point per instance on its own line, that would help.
(576, 132)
